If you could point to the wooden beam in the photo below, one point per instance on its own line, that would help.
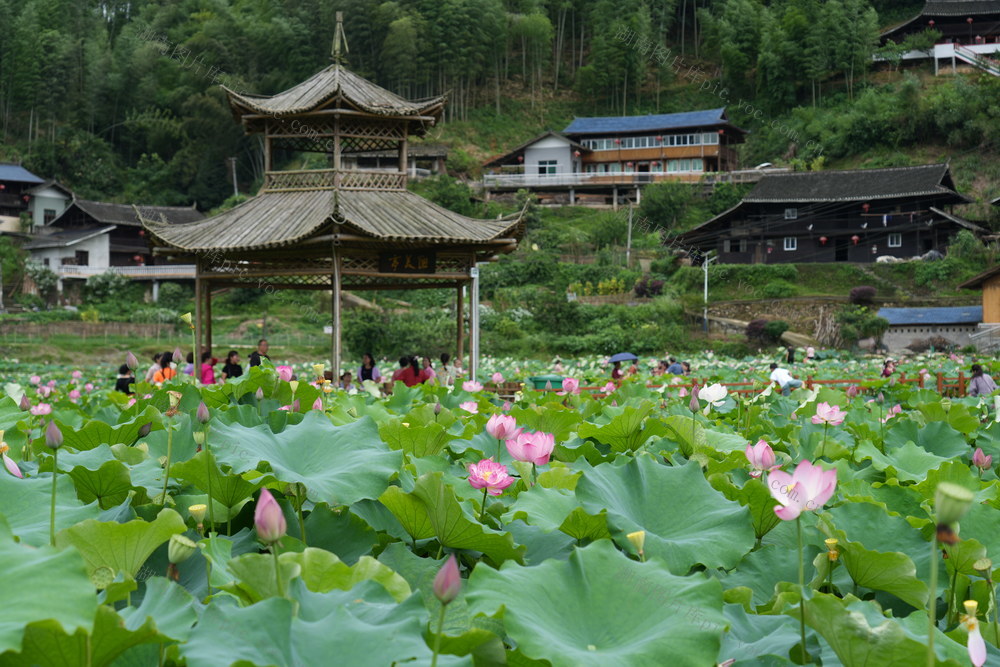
(208, 327)
(197, 313)
(332, 112)
(396, 286)
(459, 326)
(335, 312)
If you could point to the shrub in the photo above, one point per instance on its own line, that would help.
(857, 322)
(775, 328)
(648, 288)
(863, 295)
(107, 286)
(174, 296)
(755, 330)
(778, 290)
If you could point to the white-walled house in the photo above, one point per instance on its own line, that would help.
(47, 202)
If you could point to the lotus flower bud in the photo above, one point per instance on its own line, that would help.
(202, 414)
(178, 355)
(448, 581)
(880, 398)
(131, 361)
(694, 405)
(831, 547)
(260, 394)
(180, 549)
(145, 429)
(268, 518)
(951, 502)
(318, 404)
(638, 539)
(198, 512)
(53, 436)
(437, 409)
(984, 566)
(852, 391)
(25, 403)
(982, 460)
(199, 438)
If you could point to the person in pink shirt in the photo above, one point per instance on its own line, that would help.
(208, 368)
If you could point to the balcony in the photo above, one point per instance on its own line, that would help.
(330, 179)
(583, 179)
(158, 272)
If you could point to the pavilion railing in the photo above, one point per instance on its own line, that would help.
(328, 179)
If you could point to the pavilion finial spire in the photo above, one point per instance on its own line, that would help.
(338, 37)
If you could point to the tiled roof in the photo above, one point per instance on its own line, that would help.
(124, 214)
(932, 316)
(17, 174)
(649, 123)
(853, 185)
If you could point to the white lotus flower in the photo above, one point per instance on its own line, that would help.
(714, 394)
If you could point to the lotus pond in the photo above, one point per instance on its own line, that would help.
(268, 522)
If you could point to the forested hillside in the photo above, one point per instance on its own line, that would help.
(120, 99)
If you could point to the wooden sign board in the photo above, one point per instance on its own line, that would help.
(413, 261)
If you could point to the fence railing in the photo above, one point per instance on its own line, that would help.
(946, 386)
(157, 271)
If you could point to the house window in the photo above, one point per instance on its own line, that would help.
(739, 245)
(791, 214)
(45, 261)
(547, 166)
(82, 258)
(50, 215)
(791, 243)
(895, 240)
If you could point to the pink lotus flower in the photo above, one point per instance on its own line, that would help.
(472, 386)
(130, 403)
(609, 387)
(147, 396)
(506, 406)
(489, 475)
(74, 394)
(924, 371)
(41, 409)
(532, 447)
(44, 391)
(828, 414)
(52, 384)
(34, 379)
(89, 387)
(761, 458)
(806, 490)
(8, 462)
(497, 378)
(318, 404)
(268, 518)
(892, 412)
(285, 373)
(470, 406)
(448, 582)
(501, 427)
(570, 386)
(982, 460)
(77, 375)
(976, 645)
(683, 392)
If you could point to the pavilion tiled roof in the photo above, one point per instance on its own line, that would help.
(335, 81)
(281, 219)
(854, 185)
(124, 214)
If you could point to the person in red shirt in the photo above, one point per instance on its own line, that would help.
(412, 374)
(616, 372)
(208, 368)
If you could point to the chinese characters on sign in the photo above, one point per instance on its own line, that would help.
(417, 261)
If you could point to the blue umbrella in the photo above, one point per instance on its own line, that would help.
(623, 356)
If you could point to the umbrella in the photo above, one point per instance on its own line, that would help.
(623, 356)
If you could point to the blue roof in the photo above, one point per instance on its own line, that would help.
(930, 316)
(17, 174)
(650, 123)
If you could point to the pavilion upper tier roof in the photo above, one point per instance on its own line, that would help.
(335, 86)
(281, 219)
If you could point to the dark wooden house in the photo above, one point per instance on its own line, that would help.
(836, 216)
(958, 21)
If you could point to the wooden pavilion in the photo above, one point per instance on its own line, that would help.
(336, 228)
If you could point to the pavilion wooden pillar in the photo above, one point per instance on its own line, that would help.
(208, 324)
(198, 312)
(459, 325)
(335, 315)
(474, 322)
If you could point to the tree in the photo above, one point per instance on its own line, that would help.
(666, 203)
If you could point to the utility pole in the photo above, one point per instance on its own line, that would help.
(232, 164)
(1, 288)
(628, 242)
(708, 260)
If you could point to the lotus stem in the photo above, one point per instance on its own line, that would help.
(932, 603)
(996, 612)
(302, 523)
(499, 444)
(437, 637)
(822, 447)
(208, 468)
(952, 596)
(166, 468)
(482, 512)
(802, 587)
(277, 571)
(52, 510)
(534, 473)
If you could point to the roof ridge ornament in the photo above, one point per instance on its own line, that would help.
(339, 36)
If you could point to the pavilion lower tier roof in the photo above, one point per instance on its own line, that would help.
(284, 218)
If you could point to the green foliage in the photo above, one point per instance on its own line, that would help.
(45, 279)
(107, 286)
(775, 328)
(666, 203)
(175, 296)
(857, 322)
(449, 192)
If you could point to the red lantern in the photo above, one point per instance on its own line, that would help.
(659, 138)
(770, 250)
(2, 186)
(576, 153)
(855, 238)
(969, 20)
(628, 164)
(25, 197)
(823, 240)
(520, 158)
(142, 232)
(865, 207)
(931, 23)
(137, 258)
(722, 131)
(656, 164)
(618, 141)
